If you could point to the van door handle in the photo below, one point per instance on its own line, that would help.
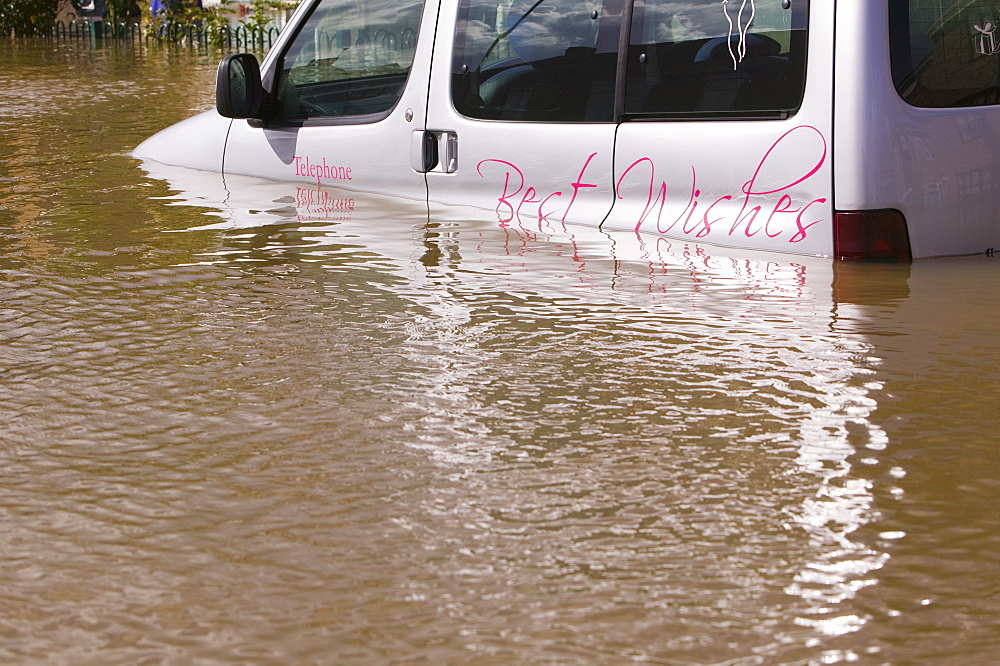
(434, 150)
(423, 151)
(448, 151)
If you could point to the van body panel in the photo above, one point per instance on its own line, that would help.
(543, 171)
(940, 167)
(197, 142)
(737, 184)
(566, 178)
(658, 148)
(750, 183)
(371, 156)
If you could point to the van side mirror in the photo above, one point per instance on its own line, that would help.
(238, 89)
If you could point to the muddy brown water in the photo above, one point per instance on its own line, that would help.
(253, 422)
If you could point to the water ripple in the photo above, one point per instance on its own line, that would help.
(241, 428)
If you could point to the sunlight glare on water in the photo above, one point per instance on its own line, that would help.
(248, 421)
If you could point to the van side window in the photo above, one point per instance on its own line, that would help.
(946, 53)
(711, 58)
(536, 60)
(350, 59)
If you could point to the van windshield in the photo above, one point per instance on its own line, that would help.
(946, 53)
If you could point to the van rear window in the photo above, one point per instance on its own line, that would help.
(946, 53)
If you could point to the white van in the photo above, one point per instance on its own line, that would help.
(842, 128)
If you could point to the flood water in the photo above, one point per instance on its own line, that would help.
(257, 422)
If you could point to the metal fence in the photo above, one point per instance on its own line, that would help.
(234, 37)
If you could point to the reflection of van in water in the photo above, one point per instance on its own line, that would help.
(850, 129)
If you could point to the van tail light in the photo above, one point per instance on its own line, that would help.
(880, 235)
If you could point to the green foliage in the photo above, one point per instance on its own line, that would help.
(213, 22)
(259, 10)
(187, 13)
(217, 22)
(119, 11)
(181, 19)
(184, 11)
(27, 17)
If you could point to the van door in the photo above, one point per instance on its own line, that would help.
(349, 88)
(521, 110)
(726, 135)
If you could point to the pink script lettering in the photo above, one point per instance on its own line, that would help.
(786, 217)
(514, 183)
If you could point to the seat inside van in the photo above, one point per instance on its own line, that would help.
(704, 76)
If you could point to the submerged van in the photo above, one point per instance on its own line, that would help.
(842, 128)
